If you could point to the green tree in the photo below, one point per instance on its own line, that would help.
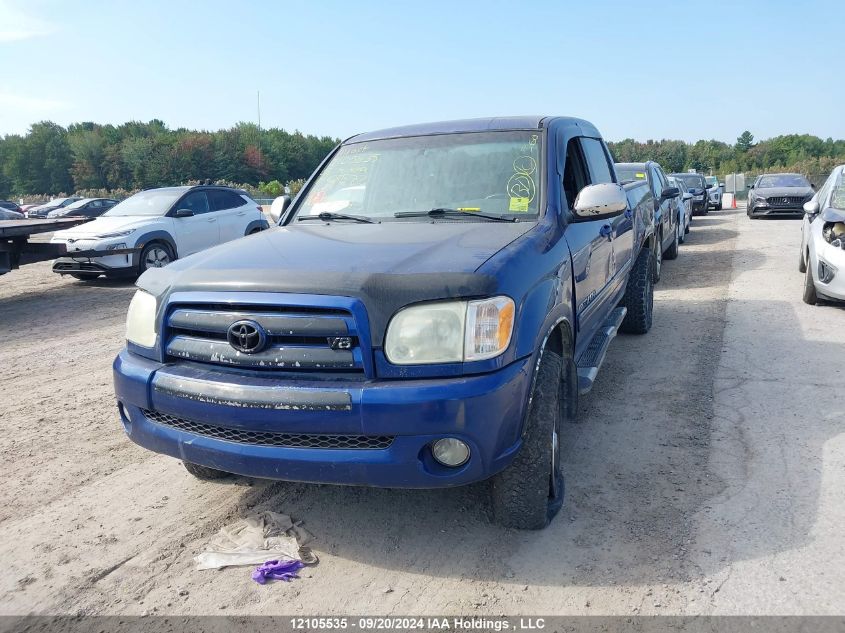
(744, 141)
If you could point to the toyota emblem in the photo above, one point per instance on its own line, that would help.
(247, 336)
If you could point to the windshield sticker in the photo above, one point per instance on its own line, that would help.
(518, 205)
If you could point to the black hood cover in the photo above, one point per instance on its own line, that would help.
(386, 265)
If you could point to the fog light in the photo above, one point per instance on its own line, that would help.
(450, 452)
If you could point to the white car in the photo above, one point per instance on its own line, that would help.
(822, 257)
(714, 192)
(155, 227)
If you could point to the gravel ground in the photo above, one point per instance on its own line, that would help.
(704, 476)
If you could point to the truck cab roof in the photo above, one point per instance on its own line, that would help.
(463, 126)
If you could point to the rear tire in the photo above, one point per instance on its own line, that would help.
(204, 473)
(529, 492)
(802, 263)
(810, 297)
(639, 297)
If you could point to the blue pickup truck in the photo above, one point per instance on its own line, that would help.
(425, 315)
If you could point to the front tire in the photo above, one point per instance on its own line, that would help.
(203, 472)
(529, 492)
(155, 255)
(639, 297)
(802, 263)
(810, 297)
(672, 251)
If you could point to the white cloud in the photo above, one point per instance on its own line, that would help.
(16, 25)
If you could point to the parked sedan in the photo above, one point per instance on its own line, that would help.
(8, 214)
(822, 256)
(685, 204)
(9, 206)
(779, 195)
(44, 209)
(87, 207)
(697, 186)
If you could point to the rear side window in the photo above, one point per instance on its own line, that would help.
(221, 200)
(597, 161)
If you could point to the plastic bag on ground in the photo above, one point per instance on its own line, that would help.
(256, 539)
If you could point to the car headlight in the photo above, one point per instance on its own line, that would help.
(450, 331)
(140, 320)
(760, 201)
(105, 236)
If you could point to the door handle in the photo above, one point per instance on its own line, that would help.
(211, 220)
(241, 213)
(606, 231)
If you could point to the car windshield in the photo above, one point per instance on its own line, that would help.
(152, 202)
(783, 180)
(630, 174)
(711, 181)
(486, 172)
(692, 181)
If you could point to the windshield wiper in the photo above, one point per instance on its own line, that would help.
(326, 216)
(440, 212)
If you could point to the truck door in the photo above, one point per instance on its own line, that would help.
(590, 244)
(659, 183)
(622, 238)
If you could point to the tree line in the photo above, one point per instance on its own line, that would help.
(802, 153)
(51, 159)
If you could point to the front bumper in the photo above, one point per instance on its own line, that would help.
(783, 212)
(485, 411)
(117, 259)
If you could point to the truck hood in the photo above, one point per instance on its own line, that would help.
(104, 225)
(385, 265)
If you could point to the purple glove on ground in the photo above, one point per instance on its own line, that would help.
(277, 570)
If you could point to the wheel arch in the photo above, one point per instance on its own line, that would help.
(156, 236)
(261, 225)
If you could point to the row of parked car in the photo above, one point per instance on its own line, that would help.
(56, 208)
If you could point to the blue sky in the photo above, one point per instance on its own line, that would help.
(685, 70)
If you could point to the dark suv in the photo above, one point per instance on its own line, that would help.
(779, 195)
(697, 186)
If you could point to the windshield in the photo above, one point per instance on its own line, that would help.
(153, 202)
(629, 174)
(784, 180)
(692, 181)
(711, 181)
(485, 172)
(677, 182)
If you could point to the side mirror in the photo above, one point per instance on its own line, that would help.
(722, 185)
(670, 192)
(687, 196)
(184, 213)
(751, 186)
(605, 199)
(812, 186)
(811, 207)
(279, 208)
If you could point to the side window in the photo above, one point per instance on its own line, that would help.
(235, 200)
(596, 161)
(822, 194)
(221, 200)
(574, 172)
(656, 184)
(196, 201)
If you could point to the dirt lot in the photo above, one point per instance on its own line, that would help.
(705, 475)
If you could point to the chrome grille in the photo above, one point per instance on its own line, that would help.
(298, 338)
(270, 438)
(785, 201)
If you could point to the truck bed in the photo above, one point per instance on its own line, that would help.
(26, 227)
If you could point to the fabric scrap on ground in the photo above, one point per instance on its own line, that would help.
(256, 539)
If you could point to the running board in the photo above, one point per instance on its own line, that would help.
(590, 361)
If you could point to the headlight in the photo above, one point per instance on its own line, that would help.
(140, 320)
(105, 236)
(760, 201)
(450, 331)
